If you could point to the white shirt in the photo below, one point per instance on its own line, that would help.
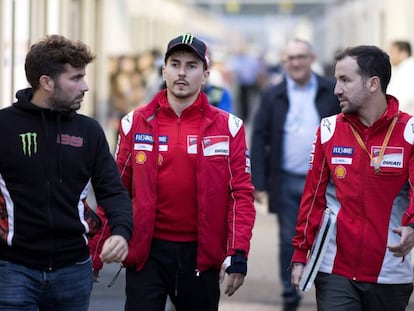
(302, 120)
(402, 85)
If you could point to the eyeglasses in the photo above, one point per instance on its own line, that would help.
(299, 57)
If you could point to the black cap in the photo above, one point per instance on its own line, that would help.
(188, 40)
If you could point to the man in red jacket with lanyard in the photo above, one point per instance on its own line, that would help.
(368, 152)
(187, 169)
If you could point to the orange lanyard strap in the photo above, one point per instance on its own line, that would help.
(376, 161)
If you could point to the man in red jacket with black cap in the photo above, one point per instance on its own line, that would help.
(187, 169)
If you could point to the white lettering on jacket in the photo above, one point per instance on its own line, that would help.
(216, 145)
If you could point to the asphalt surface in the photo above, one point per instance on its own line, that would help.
(260, 292)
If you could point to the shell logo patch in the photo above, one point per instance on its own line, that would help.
(340, 171)
(141, 157)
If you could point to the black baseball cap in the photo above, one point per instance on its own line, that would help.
(189, 41)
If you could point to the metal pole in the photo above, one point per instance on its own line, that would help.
(13, 49)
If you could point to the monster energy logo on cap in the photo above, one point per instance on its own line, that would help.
(29, 143)
(187, 38)
(188, 42)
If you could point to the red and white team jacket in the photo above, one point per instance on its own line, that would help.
(225, 199)
(369, 201)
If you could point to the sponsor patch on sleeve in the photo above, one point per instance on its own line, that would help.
(248, 165)
(126, 123)
(235, 124)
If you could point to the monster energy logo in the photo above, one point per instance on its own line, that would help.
(187, 38)
(29, 143)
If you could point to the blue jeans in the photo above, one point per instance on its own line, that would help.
(27, 289)
(287, 214)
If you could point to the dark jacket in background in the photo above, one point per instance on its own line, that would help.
(268, 133)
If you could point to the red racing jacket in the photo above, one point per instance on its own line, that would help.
(225, 198)
(371, 203)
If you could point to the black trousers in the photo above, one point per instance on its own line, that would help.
(335, 292)
(171, 270)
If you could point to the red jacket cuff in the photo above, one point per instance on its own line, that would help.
(300, 255)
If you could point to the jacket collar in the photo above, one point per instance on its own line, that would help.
(150, 110)
(391, 111)
(24, 98)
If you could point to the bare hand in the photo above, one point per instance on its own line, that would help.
(297, 271)
(115, 249)
(406, 241)
(260, 196)
(234, 281)
(96, 275)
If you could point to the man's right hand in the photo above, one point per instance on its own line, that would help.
(96, 275)
(297, 271)
(261, 196)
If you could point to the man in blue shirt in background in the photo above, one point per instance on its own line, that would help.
(283, 132)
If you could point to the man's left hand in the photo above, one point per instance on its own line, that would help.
(406, 234)
(234, 281)
(115, 249)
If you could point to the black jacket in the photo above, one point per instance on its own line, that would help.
(267, 136)
(47, 159)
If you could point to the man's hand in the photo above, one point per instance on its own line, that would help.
(406, 234)
(234, 281)
(261, 196)
(96, 275)
(115, 249)
(297, 271)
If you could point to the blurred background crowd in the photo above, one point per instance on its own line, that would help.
(246, 38)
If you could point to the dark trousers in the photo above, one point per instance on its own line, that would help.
(246, 96)
(335, 292)
(287, 214)
(171, 270)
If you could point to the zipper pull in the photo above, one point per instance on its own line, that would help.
(115, 277)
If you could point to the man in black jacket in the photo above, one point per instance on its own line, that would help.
(49, 157)
(283, 131)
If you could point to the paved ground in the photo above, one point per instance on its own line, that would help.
(261, 291)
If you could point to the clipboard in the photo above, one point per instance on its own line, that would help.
(318, 250)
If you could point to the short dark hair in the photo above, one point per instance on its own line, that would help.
(371, 60)
(402, 45)
(50, 56)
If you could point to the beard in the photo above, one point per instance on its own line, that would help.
(61, 101)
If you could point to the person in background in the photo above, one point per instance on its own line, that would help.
(148, 63)
(402, 75)
(218, 93)
(367, 150)
(249, 73)
(282, 136)
(127, 92)
(186, 166)
(52, 155)
(219, 97)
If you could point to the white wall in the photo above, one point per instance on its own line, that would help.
(376, 22)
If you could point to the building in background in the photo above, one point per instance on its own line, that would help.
(125, 27)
